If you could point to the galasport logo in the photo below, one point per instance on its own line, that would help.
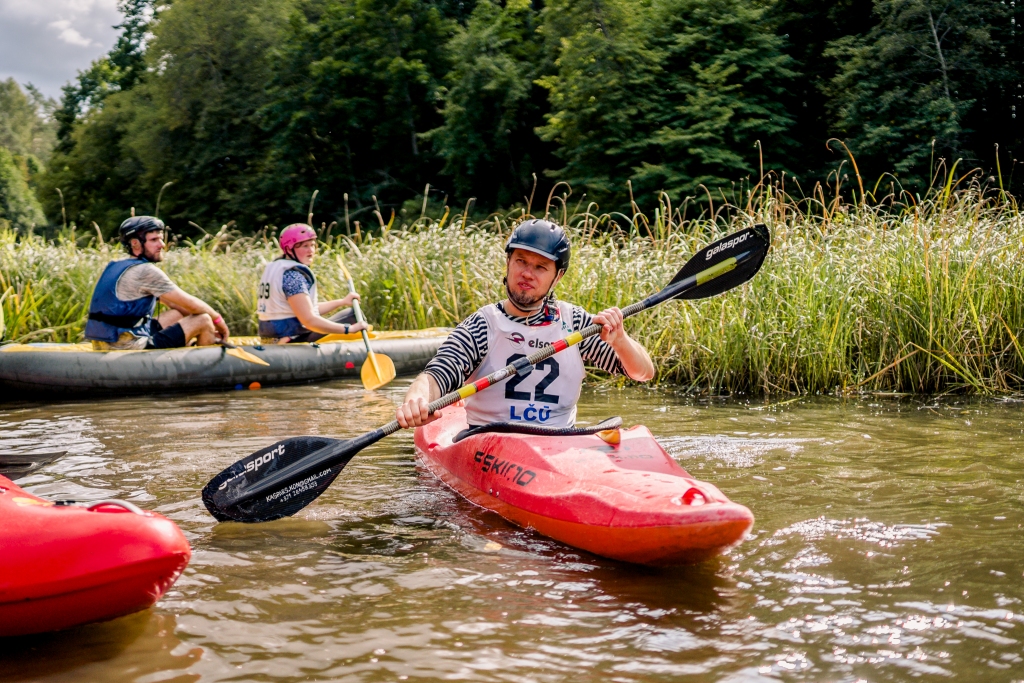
(506, 469)
(255, 464)
(727, 245)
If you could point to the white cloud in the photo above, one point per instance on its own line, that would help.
(70, 35)
(46, 42)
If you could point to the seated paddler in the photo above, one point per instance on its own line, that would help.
(124, 300)
(287, 307)
(530, 317)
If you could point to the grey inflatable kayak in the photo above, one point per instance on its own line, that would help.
(60, 370)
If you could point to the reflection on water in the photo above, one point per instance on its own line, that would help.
(887, 547)
(141, 646)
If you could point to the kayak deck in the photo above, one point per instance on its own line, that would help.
(628, 501)
(59, 370)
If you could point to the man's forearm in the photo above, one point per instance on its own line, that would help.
(636, 362)
(425, 387)
(199, 306)
(186, 304)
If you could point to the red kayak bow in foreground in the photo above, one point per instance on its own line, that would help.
(65, 565)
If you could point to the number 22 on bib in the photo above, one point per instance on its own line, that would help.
(548, 395)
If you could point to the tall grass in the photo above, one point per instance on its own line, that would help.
(899, 293)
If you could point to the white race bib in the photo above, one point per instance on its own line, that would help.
(271, 303)
(548, 395)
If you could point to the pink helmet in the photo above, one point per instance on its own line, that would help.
(293, 234)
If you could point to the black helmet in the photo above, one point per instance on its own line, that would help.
(541, 237)
(136, 227)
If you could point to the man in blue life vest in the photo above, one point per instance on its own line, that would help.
(537, 256)
(122, 306)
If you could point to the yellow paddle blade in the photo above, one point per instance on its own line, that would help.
(377, 371)
(351, 336)
(245, 355)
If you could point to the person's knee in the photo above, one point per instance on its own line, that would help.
(197, 324)
(204, 321)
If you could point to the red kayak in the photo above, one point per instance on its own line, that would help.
(613, 492)
(65, 565)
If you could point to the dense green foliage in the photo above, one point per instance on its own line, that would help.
(357, 85)
(925, 296)
(927, 71)
(723, 83)
(493, 104)
(27, 135)
(26, 127)
(598, 91)
(19, 208)
(238, 111)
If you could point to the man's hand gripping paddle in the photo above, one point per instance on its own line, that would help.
(377, 369)
(280, 480)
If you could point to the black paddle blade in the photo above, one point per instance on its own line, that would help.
(752, 242)
(279, 480)
(15, 465)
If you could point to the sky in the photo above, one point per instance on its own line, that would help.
(46, 42)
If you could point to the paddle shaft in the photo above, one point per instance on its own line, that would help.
(329, 455)
(359, 317)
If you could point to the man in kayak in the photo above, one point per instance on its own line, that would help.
(537, 256)
(123, 302)
(287, 305)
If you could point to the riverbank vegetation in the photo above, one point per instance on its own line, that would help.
(239, 109)
(891, 294)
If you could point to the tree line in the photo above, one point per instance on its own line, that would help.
(239, 110)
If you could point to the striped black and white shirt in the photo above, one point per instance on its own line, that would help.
(460, 355)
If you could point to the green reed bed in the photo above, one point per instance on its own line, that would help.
(921, 296)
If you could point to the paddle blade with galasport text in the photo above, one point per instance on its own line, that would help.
(753, 241)
(281, 479)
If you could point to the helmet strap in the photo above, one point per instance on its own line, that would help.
(549, 298)
(142, 247)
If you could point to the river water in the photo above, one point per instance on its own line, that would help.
(887, 547)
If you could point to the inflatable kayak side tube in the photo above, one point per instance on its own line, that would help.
(58, 374)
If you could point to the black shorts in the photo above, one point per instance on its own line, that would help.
(171, 338)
